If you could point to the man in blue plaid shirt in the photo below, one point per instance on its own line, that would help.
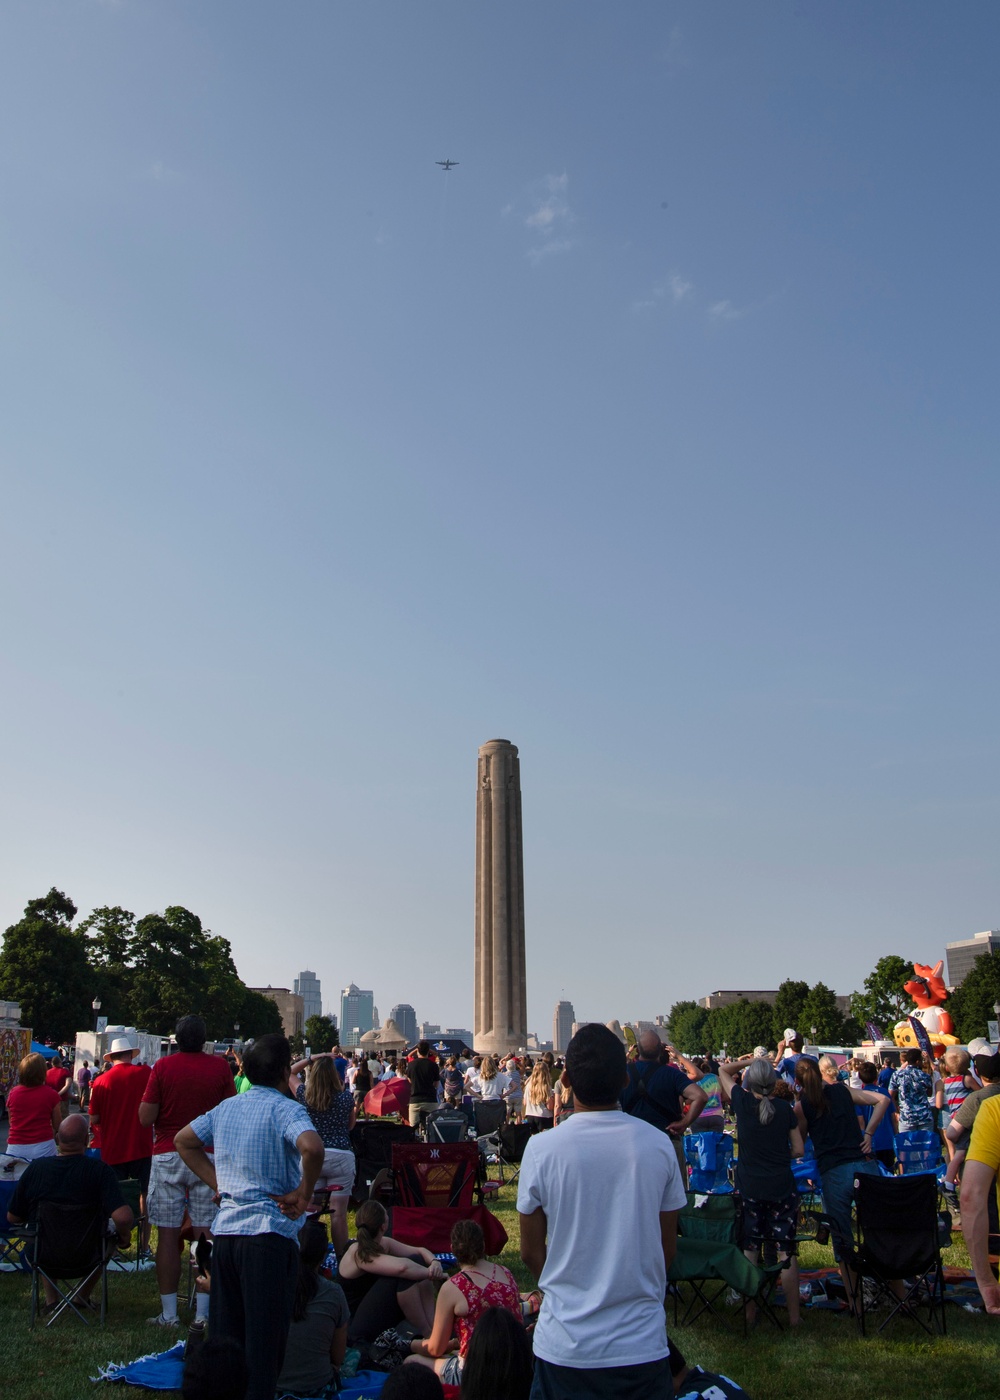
(267, 1156)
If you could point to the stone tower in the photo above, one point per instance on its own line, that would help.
(501, 1017)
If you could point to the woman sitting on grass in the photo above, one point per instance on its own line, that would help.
(468, 1295)
(386, 1281)
(499, 1364)
(317, 1338)
(769, 1138)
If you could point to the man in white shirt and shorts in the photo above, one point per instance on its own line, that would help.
(598, 1204)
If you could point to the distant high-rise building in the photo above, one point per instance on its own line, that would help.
(406, 1021)
(963, 954)
(289, 1006)
(306, 985)
(357, 1014)
(427, 1030)
(562, 1026)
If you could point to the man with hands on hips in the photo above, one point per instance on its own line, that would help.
(267, 1157)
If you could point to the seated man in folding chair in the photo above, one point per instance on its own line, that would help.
(71, 1178)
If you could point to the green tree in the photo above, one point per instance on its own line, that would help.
(177, 968)
(43, 965)
(320, 1033)
(258, 1015)
(787, 1010)
(882, 998)
(971, 1004)
(820, 1009)
(110, 943)
(687, 1027)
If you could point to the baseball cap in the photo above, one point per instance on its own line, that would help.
(987, 1066)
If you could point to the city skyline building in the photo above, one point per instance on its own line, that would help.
(500, 1019)
(406, 1021)
(307, 986)
(963, 953)
(562, 1026)
(289, 1006)
(357, 1014)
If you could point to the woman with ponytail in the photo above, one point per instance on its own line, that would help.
(769, 1138)
(386, 1281)
(829, 1114)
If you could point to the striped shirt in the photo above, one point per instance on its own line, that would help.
(254, 1137)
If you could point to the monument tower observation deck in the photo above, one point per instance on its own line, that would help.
(501, 1020)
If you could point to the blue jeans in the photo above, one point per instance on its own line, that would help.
(838, 1198)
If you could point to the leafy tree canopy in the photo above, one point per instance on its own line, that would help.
(258, 1015)
(787, 1010)
(883, 999)
(687, 1027)
(43, 965)
(820, 1010)
(971, 1004)
(320, 1033)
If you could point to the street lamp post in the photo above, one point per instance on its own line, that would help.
(95, 1006)
(813, 1030)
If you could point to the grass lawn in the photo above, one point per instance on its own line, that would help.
(824, 1360)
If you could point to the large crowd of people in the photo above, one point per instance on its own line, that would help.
(248, 1154)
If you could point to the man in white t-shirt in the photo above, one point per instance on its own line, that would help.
(598, 1203)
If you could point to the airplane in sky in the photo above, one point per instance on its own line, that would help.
(446, 164)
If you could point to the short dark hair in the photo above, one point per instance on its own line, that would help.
(867, 1072)
(423, 1047)
(266, 1061)
(413, 1383)
(913, 1057)
(595, 1065)
(498, 1364)
(216, 1371)
(191, 1033)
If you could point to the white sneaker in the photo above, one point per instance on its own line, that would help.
(161, 1321)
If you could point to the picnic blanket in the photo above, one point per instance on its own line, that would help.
(826, 1289)
(165, 1370)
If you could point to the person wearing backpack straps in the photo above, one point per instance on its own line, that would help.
(660, 1093)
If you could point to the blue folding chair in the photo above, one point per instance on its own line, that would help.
(709, 1156)
(918, 1152)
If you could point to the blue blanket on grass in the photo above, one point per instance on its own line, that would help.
(165, 1370)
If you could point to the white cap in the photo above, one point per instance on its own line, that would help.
(760, 1052)
(789, 1034)
(120, 1046)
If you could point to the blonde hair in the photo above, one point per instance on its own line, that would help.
(323, 1085)
(957, 1059)
(31, 1070)
(489, 1069)
(827, 1065)
(538, 1089)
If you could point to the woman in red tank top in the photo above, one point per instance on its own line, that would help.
(478, 1285)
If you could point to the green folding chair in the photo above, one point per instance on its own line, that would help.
(710, 1262)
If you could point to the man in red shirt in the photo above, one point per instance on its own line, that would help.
(180, 1088)
(126, 1145)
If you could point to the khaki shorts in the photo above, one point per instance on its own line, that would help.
(174, 1188)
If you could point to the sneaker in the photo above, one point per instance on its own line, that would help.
(161, 1321)
(197, 1325)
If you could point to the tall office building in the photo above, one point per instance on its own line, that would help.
(357, 1014)
(289, 1006)
(963, 954)
(562, 1026)
(306, 985)
(406, 1019)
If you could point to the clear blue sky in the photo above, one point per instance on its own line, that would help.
(659, 437)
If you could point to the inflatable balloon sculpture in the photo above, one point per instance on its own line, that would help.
(927, 989)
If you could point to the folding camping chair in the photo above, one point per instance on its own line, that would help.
(709, 1157)
(710, 1261)
(898, 1236)
(131, 1191)
(918, 1150)
(12, 1237)
(448, 1125)
(511, 1140)
(373, 1141)
(432, 1174)
(70, 1242)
